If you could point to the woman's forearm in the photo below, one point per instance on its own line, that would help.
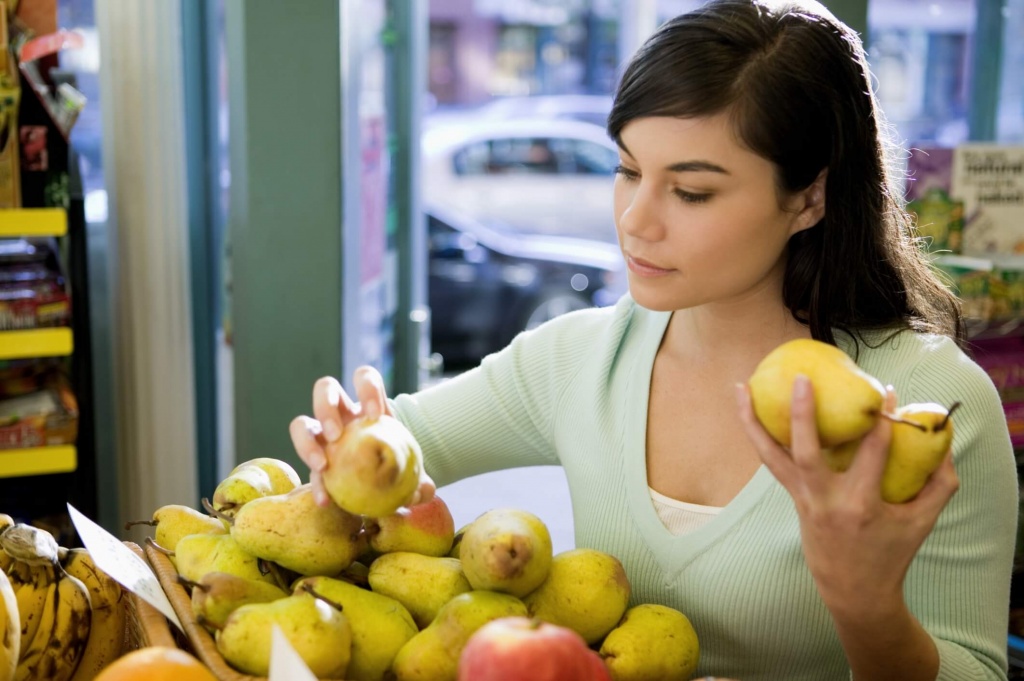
(883, 640)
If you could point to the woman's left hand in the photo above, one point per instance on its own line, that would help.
(857, 546)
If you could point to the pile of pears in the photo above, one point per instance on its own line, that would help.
(372, 587)
(848, 403)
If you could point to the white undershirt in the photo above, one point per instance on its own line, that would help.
(681, 517)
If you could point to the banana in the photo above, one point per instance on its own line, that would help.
(5, 561)
(62, 636)
(10, 630)
(107, 630)
(29, 544)
(32, 584)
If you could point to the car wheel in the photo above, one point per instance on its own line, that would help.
(550, 305)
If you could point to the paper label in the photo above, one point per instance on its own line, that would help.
(118, 561)
(285, 662)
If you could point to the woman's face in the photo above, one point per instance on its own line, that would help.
(698, 215)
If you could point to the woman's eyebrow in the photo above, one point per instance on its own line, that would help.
(696, 167)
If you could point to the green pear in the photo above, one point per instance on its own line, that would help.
(922, 434)
(423, 584)
(506, 550)
(651, 643)
(847, 400)
(318, 630)
(433, 654)
(586, 591)
(294, 532)
(283, 477)
(242, 486)
(199, 554)
(423, 528)
(380, 625)
(374, 468)
(218, 594)
(174, 521)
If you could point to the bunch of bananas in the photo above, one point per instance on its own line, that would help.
(61, 617)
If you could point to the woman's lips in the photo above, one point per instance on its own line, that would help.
(645, 269)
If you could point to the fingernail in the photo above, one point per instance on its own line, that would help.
(333, 396)
(801, 386)
(317, 461)
(332, 431)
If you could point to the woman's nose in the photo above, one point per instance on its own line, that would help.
(641, 216)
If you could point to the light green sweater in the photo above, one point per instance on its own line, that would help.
(574, 392)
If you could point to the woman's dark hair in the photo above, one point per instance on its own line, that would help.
(796, 83)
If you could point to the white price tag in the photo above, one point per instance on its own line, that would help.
(118, 561)
(285, 662)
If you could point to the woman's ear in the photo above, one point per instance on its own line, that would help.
(812, 209)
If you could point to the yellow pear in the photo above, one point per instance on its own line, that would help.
(218, 594)
(199, 554)
(239, 488)
(374, 467)
(174, 521)
(320, 633)
(922, 434)
(423, 584)
(283, 477)
(651, 643)
(847, 400)
(380, 625)
(294, 532)
(586, 591)
(433, 654)
(506, 550)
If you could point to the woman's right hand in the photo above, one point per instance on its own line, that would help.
(333, 410)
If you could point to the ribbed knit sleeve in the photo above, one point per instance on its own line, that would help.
(959, 583)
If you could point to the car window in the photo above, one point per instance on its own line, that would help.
(533, 156)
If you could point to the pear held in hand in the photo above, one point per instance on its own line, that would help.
(847, 401)
(652, 643)
(374, 468)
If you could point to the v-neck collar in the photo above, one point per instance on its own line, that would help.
(678, 550)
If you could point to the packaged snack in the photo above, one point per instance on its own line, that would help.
(970, 279)
(940, 221)
(41, 418)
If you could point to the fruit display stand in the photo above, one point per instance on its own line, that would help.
(200, 642)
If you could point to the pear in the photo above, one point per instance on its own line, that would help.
(433, 654)
(586, 591)
(651, 643)
(242, 486)
(283, 477)
(426, 528)
(506, 550)
(374, 468)
(922, 434)
(318, 630)
(6, 521)
(218, 594)
(198, 554)
(847, 400)
(457, 541)
(174, 521)
(294, 532)
(380, 625)
(423, 584)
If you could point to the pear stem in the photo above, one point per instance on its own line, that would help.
(952, 408)
(312, 592)
(275, 571)
(215, 513)
(896, 419)
(152, 542)
(129, 525)
(184, 581)
(207, 623)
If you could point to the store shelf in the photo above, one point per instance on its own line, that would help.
(31, 343)
(22, 222)
(38, 461)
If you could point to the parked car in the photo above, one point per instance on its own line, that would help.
(589, 108)
(537, 175)
(488, 282)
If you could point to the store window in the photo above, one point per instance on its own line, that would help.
(1010, 117)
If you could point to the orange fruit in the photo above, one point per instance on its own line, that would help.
(156, 664)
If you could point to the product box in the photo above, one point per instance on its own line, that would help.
(939, 220)
(970, 278)
(1006, 287)
(43, 418)
(989, 179)
(10, 98)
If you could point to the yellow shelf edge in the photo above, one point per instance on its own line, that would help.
(38, 461)
(15, 222)
(27, 343)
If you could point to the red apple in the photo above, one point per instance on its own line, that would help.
(427, 529)
(524, 649)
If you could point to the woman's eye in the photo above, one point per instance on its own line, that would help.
(690, 197)
(626, 173)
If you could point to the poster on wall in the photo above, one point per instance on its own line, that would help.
(989, 179)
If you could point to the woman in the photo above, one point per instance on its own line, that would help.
(754, 206)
